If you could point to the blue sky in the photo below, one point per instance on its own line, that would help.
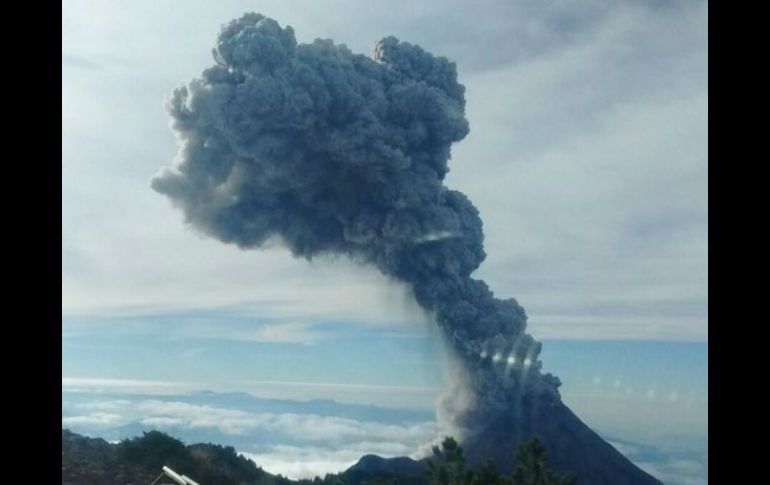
(587, 159)
(610, 384)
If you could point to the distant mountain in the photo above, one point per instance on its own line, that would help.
(322, 407)
(369, 467)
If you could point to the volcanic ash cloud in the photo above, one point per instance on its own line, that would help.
(334, 152)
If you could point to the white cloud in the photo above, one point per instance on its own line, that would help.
(678, 472)
(295, 462)
(341, 386)
(330, 430)
(228, 421)
(284, 332)
(291, 331)
(114, 405)
(126, 386)
(93, 419)
(311, 428)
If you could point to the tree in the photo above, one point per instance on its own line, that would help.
(532, 466)
(382, 481)
(447, 465)
(487, 474)
(155, 449)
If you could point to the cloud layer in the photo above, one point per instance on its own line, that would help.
(296, 445)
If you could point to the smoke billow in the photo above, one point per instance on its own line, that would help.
(333, 152)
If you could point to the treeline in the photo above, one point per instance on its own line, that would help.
(139, 460)
(207, 463)
(447, 467)
(133, 461)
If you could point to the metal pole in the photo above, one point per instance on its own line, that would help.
(159, 477)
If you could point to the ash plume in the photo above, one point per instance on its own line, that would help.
(334, 152)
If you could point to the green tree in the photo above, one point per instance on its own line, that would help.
(487, 474)
(447, 465)
(532, 466)
(155, 449)
(382, 481)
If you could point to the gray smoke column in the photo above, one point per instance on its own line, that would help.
(333, 152)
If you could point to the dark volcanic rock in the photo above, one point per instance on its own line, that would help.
(572, 446)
